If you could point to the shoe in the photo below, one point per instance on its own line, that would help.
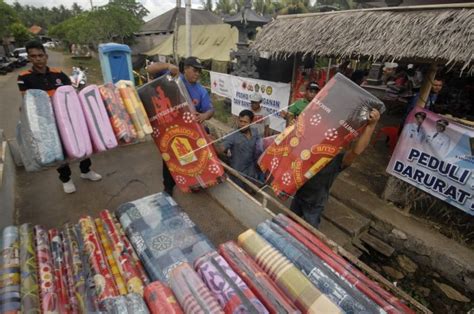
(69, 187)
(91, 175)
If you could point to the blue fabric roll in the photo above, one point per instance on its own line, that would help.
(319, 273)
(162, 234)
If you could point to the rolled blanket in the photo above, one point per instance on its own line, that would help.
(30, 301)
(160, 299)
(110, 257)
(10, 299)
(383, 298)
(75, 271)
(257, 279)
(337, 289)
(103, 279)
(228, 288)
(295, 284)
(48, 291)
(60, 273)
(125, 262)
(191, 292)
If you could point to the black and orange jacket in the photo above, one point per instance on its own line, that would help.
(49, 81)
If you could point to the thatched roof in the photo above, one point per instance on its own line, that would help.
(443, 33)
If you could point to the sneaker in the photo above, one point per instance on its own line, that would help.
(69, 187)
(91, 175)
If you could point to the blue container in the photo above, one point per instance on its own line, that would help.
(116, 62)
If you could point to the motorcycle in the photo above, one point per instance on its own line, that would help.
(79, 77)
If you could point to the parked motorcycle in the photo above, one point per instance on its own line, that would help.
(79, 77)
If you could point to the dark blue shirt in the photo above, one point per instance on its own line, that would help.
(244, 152)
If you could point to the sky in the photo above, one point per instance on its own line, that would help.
(156, 7)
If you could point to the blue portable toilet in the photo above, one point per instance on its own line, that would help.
(116, 62)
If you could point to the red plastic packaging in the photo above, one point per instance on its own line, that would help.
(182, 141)
(330, 122)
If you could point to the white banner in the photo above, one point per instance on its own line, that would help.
(275, 95)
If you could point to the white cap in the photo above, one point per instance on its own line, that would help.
(390, 65)
(256, 97)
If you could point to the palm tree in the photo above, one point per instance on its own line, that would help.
(224, 6)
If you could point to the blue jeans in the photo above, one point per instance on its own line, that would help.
(310, 212)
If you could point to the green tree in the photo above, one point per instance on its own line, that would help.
(8, 16)
(207, 5)
(265, 7)
(295, 7)
(21, 33)
(225, 7)
(76, 9)
(132, 6)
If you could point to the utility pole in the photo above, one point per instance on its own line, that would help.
(92, 5)
(188, 29)
(175, 34)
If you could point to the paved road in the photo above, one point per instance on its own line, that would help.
(128, 173)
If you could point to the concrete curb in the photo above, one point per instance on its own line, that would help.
(7, 186)
(424, 245)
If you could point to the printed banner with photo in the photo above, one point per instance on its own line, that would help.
(435, 154)
(275, 95)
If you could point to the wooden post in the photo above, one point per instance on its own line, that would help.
(426, 86)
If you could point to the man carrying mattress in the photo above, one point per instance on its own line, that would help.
(310, 199)
(40, 76)
(199, 96)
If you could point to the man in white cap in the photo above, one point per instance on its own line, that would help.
(261, 117)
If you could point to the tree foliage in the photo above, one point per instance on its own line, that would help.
(111, 22)
(207, 5)
(20, 32)
(132, 6)
(8, 16)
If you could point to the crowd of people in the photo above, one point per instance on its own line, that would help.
(244, 145)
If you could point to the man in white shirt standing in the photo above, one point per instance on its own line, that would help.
(261, 117)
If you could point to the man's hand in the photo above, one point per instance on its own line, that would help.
(200, 117)
(374, 117)
(174, 70)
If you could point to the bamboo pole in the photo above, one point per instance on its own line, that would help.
(426, 86)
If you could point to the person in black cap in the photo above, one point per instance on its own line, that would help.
(298, 106)
(199, 96)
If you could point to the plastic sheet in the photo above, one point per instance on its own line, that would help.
(125, 304)
(26, 153)
(30, 301)
(331, 121)
(124, 261)
(295, 284)
(98, 123)
(255, 277)
(191, 292)
(119, 118)
(182, 141)
(75, 269)
(48, 291)
(60, 272)
(349, 299)
(109, 254)
(38, 128)
(230, 290)
(160, 299)
(103, 279)
(10, 300)
(384, 299)
(162, 234)
(134, 107)
(71, 123)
